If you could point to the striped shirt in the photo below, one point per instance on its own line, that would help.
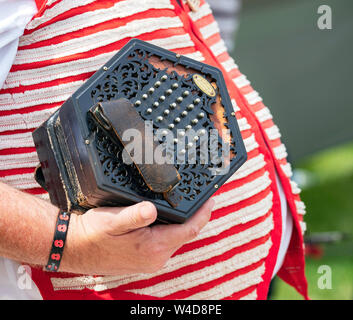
(234, 255)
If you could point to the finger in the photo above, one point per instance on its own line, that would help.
(175, 235)
(133, 217)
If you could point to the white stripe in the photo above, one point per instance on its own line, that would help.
(49, 2)
(23, 160)
(235, 285)
(287, 169)
(249, 167)
(302, 226)
(56, 71)
(263, 114)
(243, 192)
(35, 97)
(280, 152)
(19, 140)
(21, 181)
(237, 217)
(229, 64)
(253, 211)
(96, 40)
(76, 67)
(218, 48)
(195, 55)
(25, 121)
(174, 42)
(243, 124)
(203, 11)
(295, 188)
(210, 273)
(235, 106)
(176, 262)
(300, 205)
(241, 81)
(250, 143)
(59, 8)
(209, 30)
(273, 132)
(44, 196)
(253, 97)
(91, 18)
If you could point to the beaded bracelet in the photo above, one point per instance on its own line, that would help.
(57, 247)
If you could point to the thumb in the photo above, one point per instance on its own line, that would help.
(134, 217)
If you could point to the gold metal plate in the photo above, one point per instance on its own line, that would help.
(204, 85)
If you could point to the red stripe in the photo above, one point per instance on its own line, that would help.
(238, 183)
(257, 106)
(254, 152)
(12, 172)
(224, 234)
(44, 7)
(15, 131)
(39, 107)
(221, 212)
(241, 101)
(21, 150)
(103, 26)
(296, 259)
(158, 34)
(35, 191)
(211, 284)
(245, 133)
(246, 89)
(215, 38)
(275, 143)
(283, 161)
(267, 123)
(204, 21)
(72, 12)
(40, 4)
(224, 57)
(234, 73)
(194, 267)
(51, 83)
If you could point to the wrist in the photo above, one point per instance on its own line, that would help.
(69, 254)
(59, 241)
(76, 254)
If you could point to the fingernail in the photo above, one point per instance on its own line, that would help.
(146, 211)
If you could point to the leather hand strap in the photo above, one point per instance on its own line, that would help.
(117, 116)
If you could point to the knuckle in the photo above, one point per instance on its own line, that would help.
(193, 231)
(157, 258)
(133, 219)
(156, 265)
(157, 250)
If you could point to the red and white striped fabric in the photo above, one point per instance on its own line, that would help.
(235, 254)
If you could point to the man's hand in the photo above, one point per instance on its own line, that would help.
(113, 241)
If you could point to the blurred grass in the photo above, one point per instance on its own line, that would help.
(329, 201)
(281, 50)
(342, 278)
(332, 163)
(329, 206)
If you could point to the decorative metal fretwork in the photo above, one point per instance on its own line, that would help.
(171, 101)
(164, 92)
(183, 103)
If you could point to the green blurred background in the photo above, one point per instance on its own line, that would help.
(304, 76)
